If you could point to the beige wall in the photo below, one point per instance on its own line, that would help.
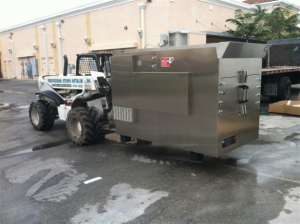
(182, 15)
(6, 57)
(72, 31)
(157, 20)
(52, 52)
(106, 28)
(108, 25)
(23, 46)
(195, 39)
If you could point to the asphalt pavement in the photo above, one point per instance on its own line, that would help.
(43, 175)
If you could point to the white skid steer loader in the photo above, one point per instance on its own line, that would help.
(83, 100)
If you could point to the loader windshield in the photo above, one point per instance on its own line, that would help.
(86, 65)
(93, 62)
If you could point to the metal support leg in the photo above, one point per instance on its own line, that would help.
(125, 139)
(143, 142)
(196, 156)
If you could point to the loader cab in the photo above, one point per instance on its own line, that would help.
(86, 63)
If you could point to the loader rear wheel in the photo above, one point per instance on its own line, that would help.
(83, 125)
(41, 115)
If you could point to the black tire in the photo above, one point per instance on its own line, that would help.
(83, 125)
(284, 88)
(41, 115)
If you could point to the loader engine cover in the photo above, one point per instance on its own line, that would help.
(203, 98)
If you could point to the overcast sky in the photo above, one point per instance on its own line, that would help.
(14, 12)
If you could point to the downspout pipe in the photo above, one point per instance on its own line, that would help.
(13, 54)
(43, 27)
(142, 6)
(58, 25)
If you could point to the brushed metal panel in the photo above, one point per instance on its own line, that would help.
(233, 94)
(203, 129)
(161, 92)
(196, 132)
(231, 67)
(143, 63)
(246, 130)
(178, 39)
(244, 50)
(228, 72)
(224, 50)
(121, 69)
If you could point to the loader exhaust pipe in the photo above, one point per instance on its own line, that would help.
(65, 65)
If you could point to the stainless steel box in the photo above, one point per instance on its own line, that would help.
(178, 39)
(202, 98)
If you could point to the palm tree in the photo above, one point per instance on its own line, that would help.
(278, 24)
(244, 24)
(283, 23)
(249, 24)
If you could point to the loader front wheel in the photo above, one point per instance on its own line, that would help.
(41, 115)
(83, 125)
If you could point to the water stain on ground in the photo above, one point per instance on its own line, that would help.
(66, 187)
(20, 150)
(277, 128)
(290, 213)
(51, 144)
(123, 205)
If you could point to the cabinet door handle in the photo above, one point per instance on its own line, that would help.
(243, 111)
(245, 93)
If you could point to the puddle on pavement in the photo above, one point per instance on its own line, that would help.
(9, 91)
(20, 152)
(39, 147)
(51, 144)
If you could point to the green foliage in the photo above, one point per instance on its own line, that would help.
(281, 23)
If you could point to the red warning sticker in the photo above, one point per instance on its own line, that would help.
(165, 62)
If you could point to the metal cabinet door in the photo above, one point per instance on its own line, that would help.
(35, 71)
(237, 94)
(5, 70)
(44, 66)
(51, 67)
(10, 70)
(28, 65)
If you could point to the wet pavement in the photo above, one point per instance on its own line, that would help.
(43, 178)
(17, 91)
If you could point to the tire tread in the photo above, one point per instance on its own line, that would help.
(47, 115)
(91, 125)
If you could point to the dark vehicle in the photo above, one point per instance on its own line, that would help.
(281, 69)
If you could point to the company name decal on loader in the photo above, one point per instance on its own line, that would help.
(72, 83)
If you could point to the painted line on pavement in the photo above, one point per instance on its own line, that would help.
(92, 180)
